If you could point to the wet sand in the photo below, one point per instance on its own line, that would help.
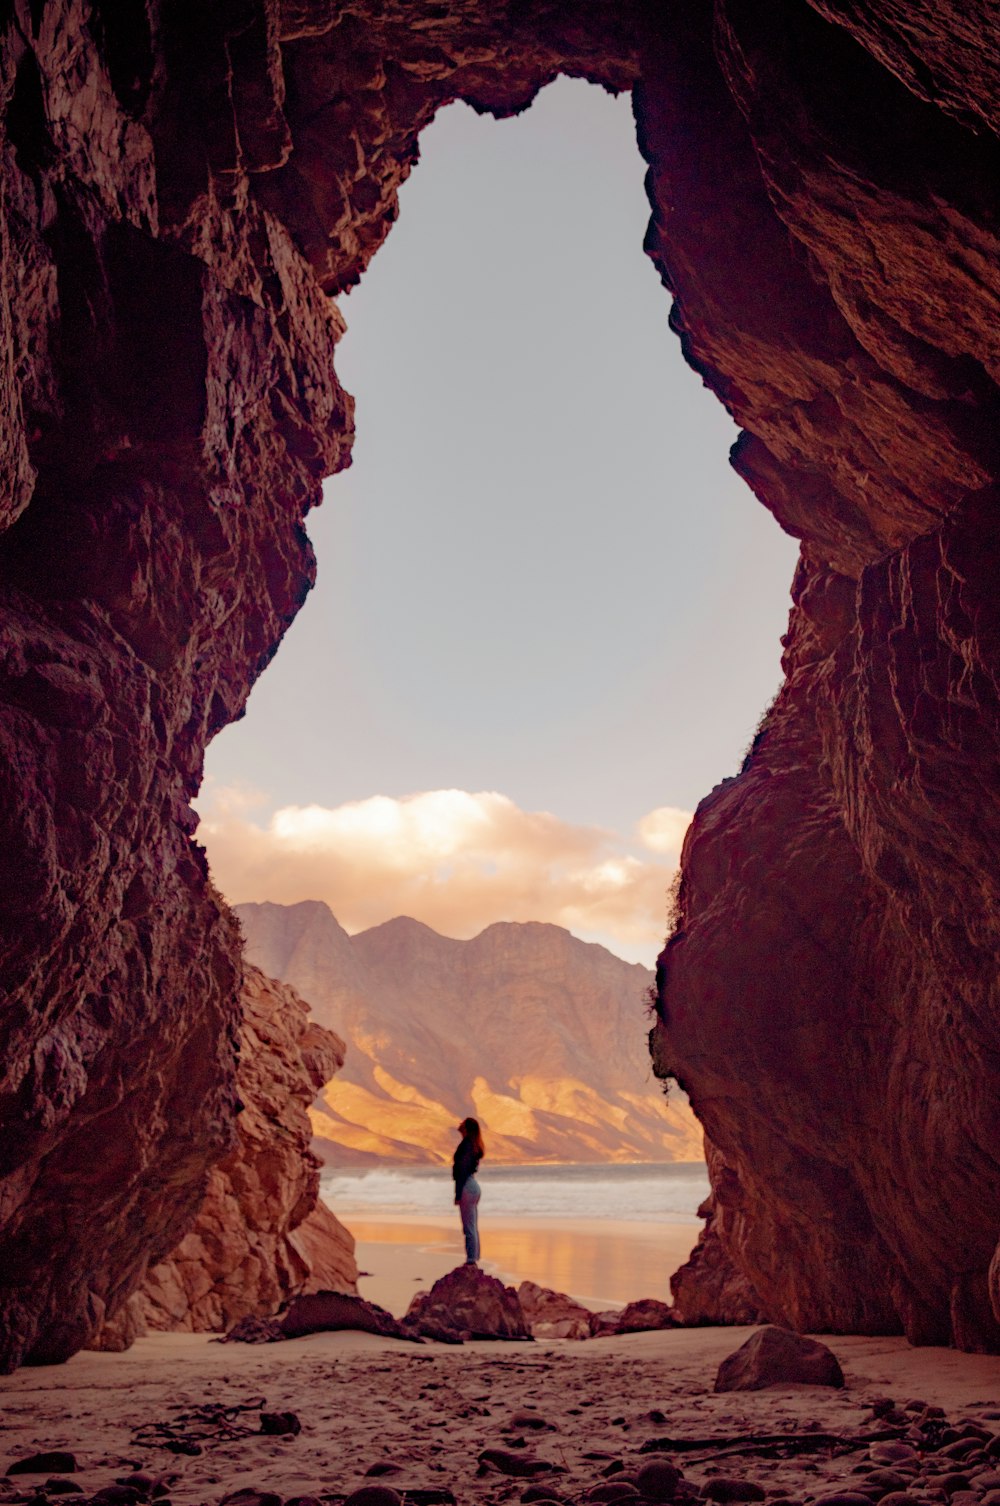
(601, 1262)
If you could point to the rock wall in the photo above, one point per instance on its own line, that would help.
(261, 1235)
(828, 996)
(180, 192)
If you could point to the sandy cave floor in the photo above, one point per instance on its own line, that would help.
(431, 1410)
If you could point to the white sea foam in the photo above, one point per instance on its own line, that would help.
(637, 1193)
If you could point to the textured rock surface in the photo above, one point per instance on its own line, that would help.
(827, 998)
(331, 1312)
(179, 191)
(538, 1034)
(552, 1315)
(261, 1234)
(775, 1357)
(709, 1288)
(469, 1304)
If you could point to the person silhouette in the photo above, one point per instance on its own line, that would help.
(465, 1163)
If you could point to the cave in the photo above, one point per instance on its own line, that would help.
(183, 193)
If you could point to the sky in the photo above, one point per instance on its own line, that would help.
(548, 613)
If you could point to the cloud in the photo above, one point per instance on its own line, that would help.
(663, 829)
(456, 860)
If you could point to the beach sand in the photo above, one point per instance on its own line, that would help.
(426, 1412)
(420, 1415)
(601, 1262)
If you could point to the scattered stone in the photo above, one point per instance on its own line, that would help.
(951, 1483)
(383, 1467)
(141, 1480)
(658, 1480)
(53, 1462)
(280, 1424)
(962, 1447)
(538, 1493)
(842, 1498)
(777, 1357)
(469, 1301)
(612, 1490)
(726, 1488)
(375, 1495)
(251, 1497)
(899, 1498)
(893, 1452)
(251, 1330)
(529, 1418)
(58, 1487)
(881, 1482)
(119, 1495)
(510, 1464)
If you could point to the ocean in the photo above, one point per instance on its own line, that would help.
(645, 1193)
(605, 1234)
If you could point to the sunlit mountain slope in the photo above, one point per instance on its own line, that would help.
(541, 1036)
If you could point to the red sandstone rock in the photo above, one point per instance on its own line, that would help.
(332, 1312)
(552, 1315)
(635, 1317)
(261, 1235)
(469, 1303)
(176, 202)
(708, 1288)
(775, 1357)
(644, 1314)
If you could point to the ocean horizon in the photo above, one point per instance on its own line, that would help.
(629, 1192)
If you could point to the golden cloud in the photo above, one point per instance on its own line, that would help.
(455, 860)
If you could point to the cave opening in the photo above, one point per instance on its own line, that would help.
(178, 204)
(538, 523)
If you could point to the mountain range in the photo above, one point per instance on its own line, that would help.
(539, 1035)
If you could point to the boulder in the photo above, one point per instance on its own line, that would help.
(644, 1314)
(330, 1312)
(777, 1357)
(636, 1317)
(604, 1323)
(469, 1302)
(553, 1315)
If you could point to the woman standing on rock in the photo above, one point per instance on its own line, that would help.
(463, 1168)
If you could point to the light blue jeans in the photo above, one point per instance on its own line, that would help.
(468, 1206)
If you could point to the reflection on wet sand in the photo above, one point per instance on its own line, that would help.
(597, 1260)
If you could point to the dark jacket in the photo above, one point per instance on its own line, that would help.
(464, 1165)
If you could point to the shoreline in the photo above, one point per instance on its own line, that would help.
(602, 1263)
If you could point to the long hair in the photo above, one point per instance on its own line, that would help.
(471, 1132)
